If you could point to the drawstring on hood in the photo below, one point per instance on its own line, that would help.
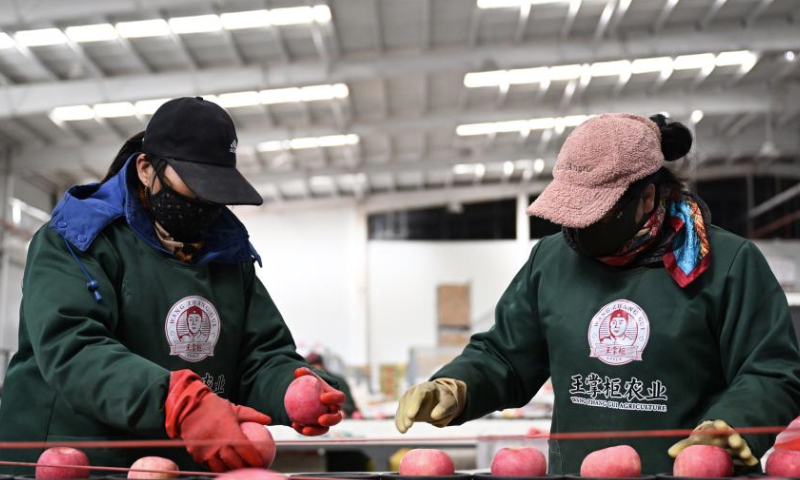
(92, 285)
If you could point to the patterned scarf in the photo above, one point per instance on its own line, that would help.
(676, 234)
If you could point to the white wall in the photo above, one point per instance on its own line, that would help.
(403, 277)
(310, 268)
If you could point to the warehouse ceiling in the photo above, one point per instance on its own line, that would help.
(359, 99)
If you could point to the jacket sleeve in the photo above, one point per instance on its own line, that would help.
(72, 336)
(268, 357)
(758, 351)
(505, 366)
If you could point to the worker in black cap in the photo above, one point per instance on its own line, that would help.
(142, 316)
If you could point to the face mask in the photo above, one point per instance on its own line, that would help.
(606, 237)
(184, 218)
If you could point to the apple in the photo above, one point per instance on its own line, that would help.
(426, 462)
(262, 439)
(705, 461)
(519, 462)
(615, 462)
(153, 463)
(784, 463)
(68, 460)
(252, 474)
(791, 433)
(302, 400)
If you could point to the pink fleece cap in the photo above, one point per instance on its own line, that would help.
(599, 160)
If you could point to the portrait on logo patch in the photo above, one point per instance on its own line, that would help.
(192, 328)
(618, 333)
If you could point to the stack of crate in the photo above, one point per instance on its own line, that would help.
(454, 318)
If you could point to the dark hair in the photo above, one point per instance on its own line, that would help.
(676, 139)
(131, 146)
(676, 142)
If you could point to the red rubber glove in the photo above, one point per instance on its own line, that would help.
(331, 397)
(195, 413)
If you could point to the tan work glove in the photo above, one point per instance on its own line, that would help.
(727, 438)
(436, 402)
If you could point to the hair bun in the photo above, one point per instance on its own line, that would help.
(676, 139)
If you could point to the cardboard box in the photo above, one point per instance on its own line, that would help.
(453, 305)
(449, 337)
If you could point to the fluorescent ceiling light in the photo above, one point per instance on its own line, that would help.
(475, 129)
(338, 140)
(541, 123)
(650, 65)
(195, 24)
(726, 59)
(304, 94)
(574, 120)
(321, 181)
(538, 165)
(465, 168)
(528, 75)
(6, 41)
(688, 62)
(302, 143)
(309, 142)
(520, 125)
(340, 90)
(565, 72)
(72, 113)
(485, 79)
(41, 37)
(511, 126)
(279, 95)
(317, 92)
(292, 15)
(610, 69)
(115, 110)
(697, 115)
(249, 19)
(149, 107)
(239, 99)
(322, 14)
(143, 28)
(102, 32)
(273, 146)
(513, 3)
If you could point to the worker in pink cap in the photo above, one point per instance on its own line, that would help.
(644, 314)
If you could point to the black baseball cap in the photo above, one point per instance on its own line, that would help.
(197, 138)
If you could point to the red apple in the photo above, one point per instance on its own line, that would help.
(302, 400)
(784, 463)
(519, 462)
(67, 460)
(615, 462)
(705, 461)
(153, 463)
(426, 462)
(791, 433)
(252, 474)
(263, 441)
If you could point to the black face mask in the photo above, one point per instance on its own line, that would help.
(605, 237)
(184, 218)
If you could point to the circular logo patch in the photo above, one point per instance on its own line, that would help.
(618, 333)
(192, 329)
